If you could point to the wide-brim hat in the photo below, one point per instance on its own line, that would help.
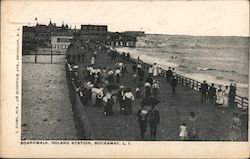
(122, 87)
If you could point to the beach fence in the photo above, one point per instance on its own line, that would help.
(241, 102)
(45, 55)
(82, 125)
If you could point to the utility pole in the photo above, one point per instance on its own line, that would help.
(35, 56)
(51, 55)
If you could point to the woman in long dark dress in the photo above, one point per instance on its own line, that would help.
(128, 98)
(108, 110)
(99, 102)
(192, 127)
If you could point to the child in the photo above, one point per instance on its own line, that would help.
(183, 131)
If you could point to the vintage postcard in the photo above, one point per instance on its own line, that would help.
(124, 79)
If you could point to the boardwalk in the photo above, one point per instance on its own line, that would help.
(46, 109)
(214, 123)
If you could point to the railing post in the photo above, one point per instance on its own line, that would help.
(51, 56)
(242, 102)
(35, 56)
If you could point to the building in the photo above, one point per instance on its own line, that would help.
(93, 32)
(60, 41)
(99, 33)
(135, 33)
(35, 37)
(94, 29)
(39, 36)
(121, 39)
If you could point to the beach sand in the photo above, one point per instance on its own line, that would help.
(46, 109)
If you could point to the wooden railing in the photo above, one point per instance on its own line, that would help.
(242, 102)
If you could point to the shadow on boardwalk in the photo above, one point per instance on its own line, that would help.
(214, 123)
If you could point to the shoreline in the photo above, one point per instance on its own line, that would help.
(198, 76)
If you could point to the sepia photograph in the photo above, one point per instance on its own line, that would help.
(118, 72)
(136, 82)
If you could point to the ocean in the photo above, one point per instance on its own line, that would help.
(218, 60)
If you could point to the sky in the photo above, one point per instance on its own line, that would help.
(212, 18)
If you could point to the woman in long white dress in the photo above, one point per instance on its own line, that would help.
(155, 70)
(92, 61)
(219, 95)
(225, 96)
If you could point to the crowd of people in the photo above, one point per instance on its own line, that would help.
(221, 97)
(102, 87)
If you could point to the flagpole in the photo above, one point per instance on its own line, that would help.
(51, 54)
(36, 20)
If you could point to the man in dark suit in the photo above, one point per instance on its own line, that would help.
(232, 94)
(120, 94)
(169, 74)
(154, 120)
(134, 68)
(174, 84)
(203, 89)
(142, 115)
(244, 124)
(83, 55)
(212, 94)
(140, 74)
(128, 56)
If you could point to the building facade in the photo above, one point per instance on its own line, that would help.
(135, 33)
(39, 36)
(121, 39)
(93, 32)
(60, 41)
